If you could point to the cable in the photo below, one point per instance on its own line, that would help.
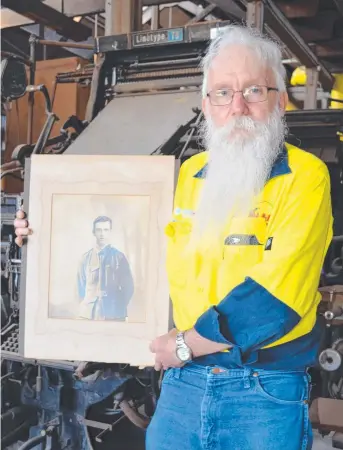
(31, 443)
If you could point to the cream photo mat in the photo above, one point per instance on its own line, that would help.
(150, 182)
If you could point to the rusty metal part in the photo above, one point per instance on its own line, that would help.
(157, 85)
(164, 74)
(10, 165)
(10, 171)
(65, 44)
(39, 12)
(332, 294)
(327, 414)
(331, 305)
(202, 14)
(135, 417)
(255, 14)
(83, 71)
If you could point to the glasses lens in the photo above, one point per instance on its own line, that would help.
(221, 96)
(254, 94)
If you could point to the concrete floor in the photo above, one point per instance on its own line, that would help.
(320, 443)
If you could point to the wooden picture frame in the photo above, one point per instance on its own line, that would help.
(73, 259)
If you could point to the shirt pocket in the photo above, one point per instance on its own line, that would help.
(244, 242)
(178, 237)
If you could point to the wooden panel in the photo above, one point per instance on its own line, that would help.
(178, 17)
(61, 320)
(70, 99)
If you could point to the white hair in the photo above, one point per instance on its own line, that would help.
(267, 50)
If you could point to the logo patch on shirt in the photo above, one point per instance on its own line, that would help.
(263, 209)
(269, 244)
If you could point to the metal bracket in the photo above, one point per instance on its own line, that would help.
(311, 88)
(255, 14)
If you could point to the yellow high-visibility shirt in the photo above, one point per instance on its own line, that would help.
(258, 290)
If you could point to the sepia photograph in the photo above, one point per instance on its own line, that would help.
(101, 256)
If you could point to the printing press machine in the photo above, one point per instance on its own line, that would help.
(146, 99)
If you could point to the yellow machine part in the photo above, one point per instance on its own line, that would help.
(299, 79)
(291, 107)
(337, 91)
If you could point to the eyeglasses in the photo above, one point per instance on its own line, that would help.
(251, 94)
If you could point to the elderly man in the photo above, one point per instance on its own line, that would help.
(251, 227)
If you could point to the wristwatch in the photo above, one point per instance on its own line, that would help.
(183, 351)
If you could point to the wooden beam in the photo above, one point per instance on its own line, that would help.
(123, 16)
(39, 12)
(300, 8)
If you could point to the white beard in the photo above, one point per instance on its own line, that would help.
(239, 165)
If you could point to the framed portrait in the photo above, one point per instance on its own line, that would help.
(94, 284)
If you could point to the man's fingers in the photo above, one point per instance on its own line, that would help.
(20, 214)
(22, 231)
(158, 366)
(19, 241)
(19, 223)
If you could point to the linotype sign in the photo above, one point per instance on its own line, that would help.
(157, 37)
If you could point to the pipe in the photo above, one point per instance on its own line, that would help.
(12, 413)
(65, 44)
(31, 443)
(32, 42)
(13, 436)
(135, 417)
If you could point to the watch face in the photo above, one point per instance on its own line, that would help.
(183, 353)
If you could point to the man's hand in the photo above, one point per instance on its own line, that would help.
(164, 348)
(21, 227)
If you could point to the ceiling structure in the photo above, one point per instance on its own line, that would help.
(312, 30)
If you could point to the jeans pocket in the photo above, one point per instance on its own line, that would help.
(168, 376)
(286, 389)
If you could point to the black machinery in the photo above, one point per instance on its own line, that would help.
(83, 405)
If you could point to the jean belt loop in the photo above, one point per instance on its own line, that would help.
(246, 378)
(177, 372)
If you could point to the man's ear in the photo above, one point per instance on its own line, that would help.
(283, 101)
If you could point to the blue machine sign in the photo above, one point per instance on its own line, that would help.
(158, 37)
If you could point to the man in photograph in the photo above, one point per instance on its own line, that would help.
(104, 279)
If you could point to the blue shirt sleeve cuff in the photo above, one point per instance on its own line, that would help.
(249, 318)
(208, 326)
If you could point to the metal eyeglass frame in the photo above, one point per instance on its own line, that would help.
(242, 91)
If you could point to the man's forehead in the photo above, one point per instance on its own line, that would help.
(238, 63)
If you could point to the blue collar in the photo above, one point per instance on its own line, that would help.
(280, 167)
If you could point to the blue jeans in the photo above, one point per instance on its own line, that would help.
(211, 408)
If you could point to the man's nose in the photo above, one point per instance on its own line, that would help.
(238, 105)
